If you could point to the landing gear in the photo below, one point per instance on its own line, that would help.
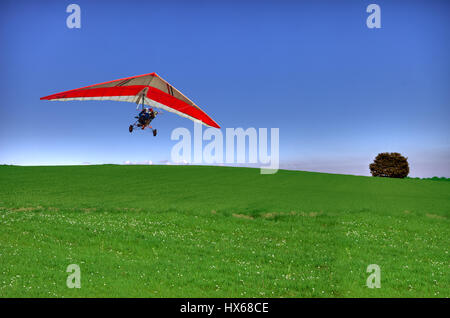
(131, 128)
(144, 119)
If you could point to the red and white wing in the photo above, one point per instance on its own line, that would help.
(155, 91)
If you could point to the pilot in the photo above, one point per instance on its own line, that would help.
(152, 114)
(144, 116)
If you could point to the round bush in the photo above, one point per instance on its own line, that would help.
(390, 164)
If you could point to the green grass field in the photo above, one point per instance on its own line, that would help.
(186, 231)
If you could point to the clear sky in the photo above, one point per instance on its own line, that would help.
(338, 91)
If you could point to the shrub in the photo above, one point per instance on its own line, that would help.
(389, 164)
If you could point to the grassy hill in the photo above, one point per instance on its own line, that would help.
(186, 231)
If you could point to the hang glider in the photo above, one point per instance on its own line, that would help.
(148, 89)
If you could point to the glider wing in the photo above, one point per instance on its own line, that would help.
(148, 88)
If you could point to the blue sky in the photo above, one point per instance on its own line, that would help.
(339, 92)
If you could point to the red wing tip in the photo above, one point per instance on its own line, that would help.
(214, 125)
(49, 97)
